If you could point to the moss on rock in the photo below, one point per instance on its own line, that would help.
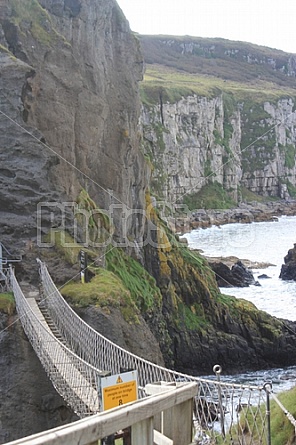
(7, 303)
(104, 290)
(29, 15)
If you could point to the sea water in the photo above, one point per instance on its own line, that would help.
(262, 242)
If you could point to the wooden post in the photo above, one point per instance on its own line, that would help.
(142, 432)
(170, 420)
(173, 418)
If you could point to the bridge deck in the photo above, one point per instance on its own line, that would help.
(66, 367)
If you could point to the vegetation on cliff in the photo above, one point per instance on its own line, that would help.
(30, 12)
(205, 325)
(171, 85)
(7, 303)
(216, 58)
(177, 295)
(221, 111)
(105, 290)
(211, 196)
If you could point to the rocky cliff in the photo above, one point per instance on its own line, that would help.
(213, 122)
(63, 64)
(72, 161)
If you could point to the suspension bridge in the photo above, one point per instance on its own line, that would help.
(76, 357)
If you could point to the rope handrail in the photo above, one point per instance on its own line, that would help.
(76, 380)
(285, 411)
(220, 407)
(66, 318)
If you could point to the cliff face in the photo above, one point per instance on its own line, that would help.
(191, 142)
(29, 402)
(65, 64)
(211, 114)
(184, 143)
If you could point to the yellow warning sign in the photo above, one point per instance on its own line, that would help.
(118, 389)
(119, 394)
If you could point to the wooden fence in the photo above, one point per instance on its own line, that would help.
(161, 419)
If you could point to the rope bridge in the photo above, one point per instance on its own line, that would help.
(224, 412)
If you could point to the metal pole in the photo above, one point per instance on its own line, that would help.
(1, 260)
(217, 370)
(268, 388)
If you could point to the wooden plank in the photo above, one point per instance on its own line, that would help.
(160, 439)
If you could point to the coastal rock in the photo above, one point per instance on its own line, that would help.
(288, 270)
(245, 213)
(263, 276)
(206, 327)
(238, 276)
(28, 401)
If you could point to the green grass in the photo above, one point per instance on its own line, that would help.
(192, 320)
(105, 290)
(248, 196)
(136, 279)
(7, 303)
(174, 84)
(211, 196)
(282, 431)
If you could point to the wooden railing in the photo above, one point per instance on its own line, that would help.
(165, 418)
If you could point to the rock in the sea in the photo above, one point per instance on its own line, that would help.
(288, 271)
(238, 276)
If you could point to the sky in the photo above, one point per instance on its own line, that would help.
(264, 22)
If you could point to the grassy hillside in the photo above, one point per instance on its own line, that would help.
(180, 66)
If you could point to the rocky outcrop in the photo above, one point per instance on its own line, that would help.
(246, 213)
(69, 120)
(288, 270)
(207, 327)
(183, 141)
(237, 276)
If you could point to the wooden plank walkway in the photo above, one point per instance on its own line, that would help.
(66, 364)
